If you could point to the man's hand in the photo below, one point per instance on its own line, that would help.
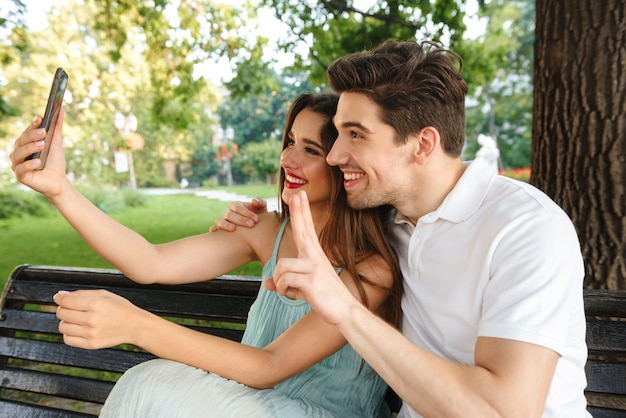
(240, 214)
(310, 276)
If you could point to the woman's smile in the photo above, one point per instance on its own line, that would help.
(293, 182)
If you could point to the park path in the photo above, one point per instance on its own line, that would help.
(221, 195)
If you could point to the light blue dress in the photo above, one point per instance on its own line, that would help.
(334, 387)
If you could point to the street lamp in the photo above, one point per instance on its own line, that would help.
(127, 126)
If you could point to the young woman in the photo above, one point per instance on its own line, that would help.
(291, 362)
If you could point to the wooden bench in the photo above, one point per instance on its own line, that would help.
(40, 376)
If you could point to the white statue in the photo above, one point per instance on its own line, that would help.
(488, 151)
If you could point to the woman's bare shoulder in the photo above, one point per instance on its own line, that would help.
(269, 221)
(263, 235)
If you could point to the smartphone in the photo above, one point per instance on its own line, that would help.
(49, 121)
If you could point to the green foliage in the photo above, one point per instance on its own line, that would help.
(254, 75)
(177, 36)
(499, 71)
(17, 42)
(331, 29)
(259, 160)
(256, 118)
(19, 204)
(139, 58)
(133, 198)
(109, 199)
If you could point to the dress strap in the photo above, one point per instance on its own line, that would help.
(279, 238)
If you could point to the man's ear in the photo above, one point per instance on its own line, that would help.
(428, 141)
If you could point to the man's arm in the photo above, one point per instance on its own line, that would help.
(509, 378)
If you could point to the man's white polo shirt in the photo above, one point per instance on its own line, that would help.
(500, 259)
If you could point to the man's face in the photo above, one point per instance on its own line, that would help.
(375, 168)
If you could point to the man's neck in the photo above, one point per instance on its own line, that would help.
(432, 186)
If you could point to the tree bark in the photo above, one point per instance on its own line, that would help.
(579, 126)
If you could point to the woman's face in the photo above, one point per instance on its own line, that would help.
(304, 161)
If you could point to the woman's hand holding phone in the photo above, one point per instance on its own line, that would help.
(39, 146)
(50, 181)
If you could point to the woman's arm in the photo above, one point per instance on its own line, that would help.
(191, 259)
(96, 319)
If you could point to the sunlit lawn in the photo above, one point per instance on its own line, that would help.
(51, 241)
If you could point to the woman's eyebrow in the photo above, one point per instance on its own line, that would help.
(313, 143)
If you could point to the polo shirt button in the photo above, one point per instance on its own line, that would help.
(416, 240)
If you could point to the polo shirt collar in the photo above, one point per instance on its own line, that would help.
(465, 198)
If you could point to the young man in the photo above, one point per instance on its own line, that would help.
(493, 319)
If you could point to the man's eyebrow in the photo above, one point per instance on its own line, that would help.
(351, 124)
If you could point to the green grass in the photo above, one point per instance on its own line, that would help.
(50, 240)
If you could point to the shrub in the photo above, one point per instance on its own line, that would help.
(109, 199)
(106, 199)
(18, 204)
(133, 198)
(522, 174)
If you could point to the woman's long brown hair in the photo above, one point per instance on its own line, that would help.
(348, 236)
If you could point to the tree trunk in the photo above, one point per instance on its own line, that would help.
(579, 126)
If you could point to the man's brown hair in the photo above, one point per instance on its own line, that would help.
(415, 84)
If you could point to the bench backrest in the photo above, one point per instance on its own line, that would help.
(37, 369)
(36, 365)
(606, 342)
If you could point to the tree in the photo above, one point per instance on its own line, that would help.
(98, 88)
(257, 117)
(178, 36)
(579, 126)
(332, 28)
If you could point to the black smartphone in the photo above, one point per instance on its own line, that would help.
(49, 121)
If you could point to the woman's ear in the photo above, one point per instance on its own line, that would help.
(428, 141)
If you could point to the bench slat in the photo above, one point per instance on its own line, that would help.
(30, 321)
(606, 335)
(227, 284)
(600, 302)
(19, 409)
(182, 303)
(108, 359)
(606, 412)
(73, 387)
(607, 377)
